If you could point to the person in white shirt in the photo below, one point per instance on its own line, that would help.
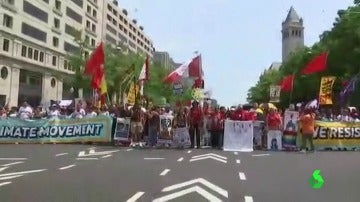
(54, 112)
(104, 111)
(25, 111)
(92, 113)
(79, 112)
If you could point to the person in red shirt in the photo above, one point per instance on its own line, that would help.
(195, 123)
(238, 114)
(274, 123)
(216, 128)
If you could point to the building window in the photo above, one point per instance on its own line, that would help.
(6, 45)
(71, 48)
(56, 23)
(73, 15)
(46, 1)
(41, 58)
(33, 32)
(88, 24)
(36, 55)
(58, 5)
(88, 9)
(94, 14)
(87, 39)
(11, 2)
(78, 2)
(54, 60)
(70, 30)
(65, 64)
(93, 42)
(23, 51)
(30, 53)
(55, 42)
(93, 28)
(4, 72)
(53, 83)
(35, 11)
(8, 21)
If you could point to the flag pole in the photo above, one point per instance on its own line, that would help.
(292, 87)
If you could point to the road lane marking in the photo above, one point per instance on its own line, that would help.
(238, 161)
(2, 169)
(4, 183)
(129, 149)
(248, 198)
(208, 157)
(196, 189)
(12, 159)
(180, 159)
(91, 148)
(67, 167)
(236, 153)
(189, 151)
(163, 173)
(106, 156)
(210, 154)
(242, 176)
(154, 158)
(10, 177)
(136, 196)
(61, 154)
(261, 155)
(87, 159)
(22, 172)
(10, 164)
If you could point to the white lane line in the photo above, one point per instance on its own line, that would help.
(12, 159)
(10, 164)
(21, 173)
(248, 198)
(238, 161)
(61, 154)
(189, 151)
(3, 168)
(261, 155)
(164, 172)
(91, 148)
(242, 176)
(180, 159)
(236, 153)
(136, 196)
(129, 149)
(153, 158)
(87, 159)
(106, 156)
(4, 183)
(67, 167)
(10, 177)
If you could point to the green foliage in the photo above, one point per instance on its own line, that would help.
(343, 44)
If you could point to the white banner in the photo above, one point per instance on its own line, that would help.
(238, 136)
(274, 141)
(275, 94)
(122, 130)
(258, 131)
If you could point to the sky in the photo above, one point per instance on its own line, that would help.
(237, 39)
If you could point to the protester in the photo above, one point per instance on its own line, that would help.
(136, 127)
(274, 134)
(153, 126)
(25, 111)
(181, 134)
(195, 122)
(217, 128)
(307, 123)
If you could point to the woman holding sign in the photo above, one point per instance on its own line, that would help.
(274, 134)
(181, 132)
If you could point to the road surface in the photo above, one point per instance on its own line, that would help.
(58, 173)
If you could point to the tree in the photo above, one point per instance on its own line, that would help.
(342, 43)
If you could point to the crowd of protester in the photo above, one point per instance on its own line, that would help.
(195, 118)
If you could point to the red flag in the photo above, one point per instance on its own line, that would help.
(96, 59)
(199, 83)
(97, 77)
(316, 65)
(195, 69)
(287, 83)
(177, 74)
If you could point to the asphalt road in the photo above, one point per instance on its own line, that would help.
(58, 173)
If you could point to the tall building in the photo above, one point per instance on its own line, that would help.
(36, 36)
(292, 33)
(165, 60)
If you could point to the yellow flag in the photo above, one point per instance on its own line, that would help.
(133, 91)
(326, 88)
